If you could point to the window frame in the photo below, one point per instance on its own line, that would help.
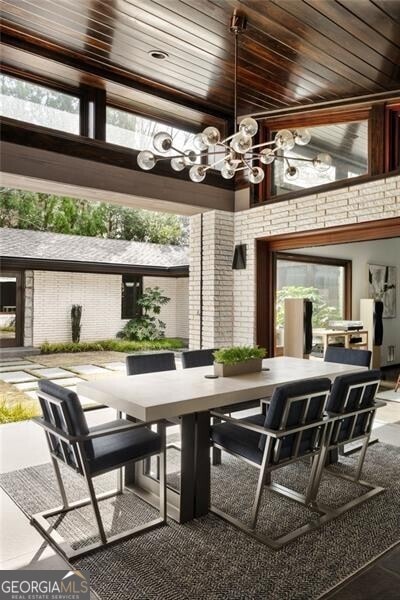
(130, 278)
(374, 114)
(76, 92)
(319, 260)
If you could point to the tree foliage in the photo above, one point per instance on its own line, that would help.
(61, 214)
(322, 312)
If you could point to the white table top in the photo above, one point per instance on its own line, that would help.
(167, 394)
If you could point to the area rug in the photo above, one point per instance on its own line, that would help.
(208, 559)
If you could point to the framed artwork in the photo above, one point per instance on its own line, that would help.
(382, 286)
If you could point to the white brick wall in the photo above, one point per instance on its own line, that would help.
(100, 296)
(175, 313)
(217, 279)
(378, 199)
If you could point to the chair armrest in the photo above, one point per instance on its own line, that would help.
(91, 436)
(55, 430)
(274, 433)
(337, 416)
(112, 430)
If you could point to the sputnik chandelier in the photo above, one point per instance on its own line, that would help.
(236, 152)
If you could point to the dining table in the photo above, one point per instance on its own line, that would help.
(185, 397)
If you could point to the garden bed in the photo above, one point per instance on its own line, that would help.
(113, 345)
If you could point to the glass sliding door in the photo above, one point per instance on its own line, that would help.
(323, 281)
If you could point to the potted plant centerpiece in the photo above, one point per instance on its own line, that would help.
(238, 360)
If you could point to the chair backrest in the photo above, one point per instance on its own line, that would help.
(295, 404)
(197, 358)
(353, 392)
(137, 364)
(348, 356)
(61, 408)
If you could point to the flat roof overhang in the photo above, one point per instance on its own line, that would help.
(11, 263)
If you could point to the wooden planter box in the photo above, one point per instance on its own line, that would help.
(253, 365)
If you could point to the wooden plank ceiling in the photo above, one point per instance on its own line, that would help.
(293, 53)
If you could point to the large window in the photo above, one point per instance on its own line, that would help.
(130, 293)
(346, 143)
(133, 131)
(321, 280)
(32, 103)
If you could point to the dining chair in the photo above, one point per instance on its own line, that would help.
(137, 364)
(351, 409)
(348, 356)
(155, 362)
(202, 358)
(91, 452)
(197, 358)
(293, 428)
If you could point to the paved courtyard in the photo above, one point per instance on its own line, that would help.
(19, 377)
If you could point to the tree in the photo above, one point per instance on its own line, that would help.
(61, 214)
(322, 312)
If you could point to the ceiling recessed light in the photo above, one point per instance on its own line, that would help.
(158, 54)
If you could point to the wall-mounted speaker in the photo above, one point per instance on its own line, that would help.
(297, 339)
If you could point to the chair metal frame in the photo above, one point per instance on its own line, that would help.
(63, 447)
(318, 459)
(332, 442)
(267, 465)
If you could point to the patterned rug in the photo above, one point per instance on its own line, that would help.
(208, 559)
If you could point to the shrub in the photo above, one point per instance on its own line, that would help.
(113, 345)
(11, 413)
(236, 354)
(147, 326)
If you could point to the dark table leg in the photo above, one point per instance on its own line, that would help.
(188, 468)
(202, 449)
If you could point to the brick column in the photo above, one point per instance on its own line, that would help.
(211, 280)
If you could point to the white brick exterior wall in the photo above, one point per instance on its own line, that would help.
(378, 199)
(217, 279)
(100, 296)
(175, 314)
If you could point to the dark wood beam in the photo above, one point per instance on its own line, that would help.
(34, 136)
(39, 159)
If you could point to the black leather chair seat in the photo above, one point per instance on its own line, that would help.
(112, 450)
(238, 440)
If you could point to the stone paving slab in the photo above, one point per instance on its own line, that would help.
(25, 366)
(68, 381)
(89, 369)
(115, 366)
(17, 377)
(13, 362)
(29, 385)
(52, 373)
(84, 401)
